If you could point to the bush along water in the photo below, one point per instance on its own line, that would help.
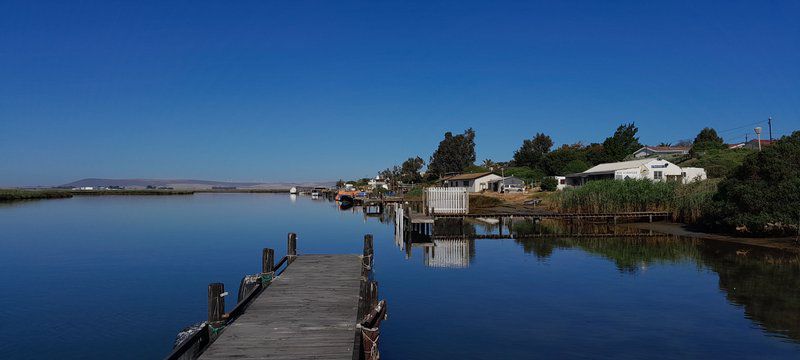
(762, 196)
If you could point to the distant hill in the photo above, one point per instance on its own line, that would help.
(189, 184)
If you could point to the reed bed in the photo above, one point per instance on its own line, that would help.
(686, 202)
(7, 195)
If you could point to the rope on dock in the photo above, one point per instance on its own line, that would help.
(267, 278)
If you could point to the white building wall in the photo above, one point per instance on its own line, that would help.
(691, 174)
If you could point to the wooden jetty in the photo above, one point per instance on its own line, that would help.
(415, 217)
(308, 306)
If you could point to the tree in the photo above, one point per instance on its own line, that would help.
(409, 170)
(340, 183)
(532, 152)
(549, 184)
(454, 154)
(762, 196)
(623, 143)
(684, 143)
(665, 144)
(555, 162)
(489, 164)
(706, 140)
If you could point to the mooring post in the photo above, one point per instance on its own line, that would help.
(216, 306)
(267, 261)
(291, 248)
(368, 251)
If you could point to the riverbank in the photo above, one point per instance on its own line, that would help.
(8, 195)
(781, 243)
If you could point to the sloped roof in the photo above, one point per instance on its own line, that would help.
(665, 148)
(611, 167)
(471, 176)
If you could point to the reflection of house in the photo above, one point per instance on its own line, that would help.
(651, 169)
(508, 183)
(473, 182)
(449, 253)
(648, 151)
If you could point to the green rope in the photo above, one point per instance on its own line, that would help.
(266, 278)
(214, 330)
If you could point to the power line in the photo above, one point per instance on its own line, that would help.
(741, 127)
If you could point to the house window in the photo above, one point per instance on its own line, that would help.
(562, 181)
(658, 175)
(466, 183)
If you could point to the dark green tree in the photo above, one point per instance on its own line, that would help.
(549, 184)
(532, 151)
(409, 170)
(454, 154)
(706, 140)
(556, 162)
(762, 196)
(623, 143)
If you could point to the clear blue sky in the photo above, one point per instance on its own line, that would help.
(295, 90)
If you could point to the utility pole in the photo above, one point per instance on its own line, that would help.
(769, 122)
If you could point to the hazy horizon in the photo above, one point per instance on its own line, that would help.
(304, 91)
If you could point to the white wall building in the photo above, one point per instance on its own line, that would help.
(651, 169)
(473, 182)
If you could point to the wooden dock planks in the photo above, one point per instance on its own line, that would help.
(309, 312)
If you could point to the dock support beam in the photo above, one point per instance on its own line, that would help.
(267, 261)
(216, 308)
(368, 252)
(291, 248)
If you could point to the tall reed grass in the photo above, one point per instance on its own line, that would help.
(686, 202)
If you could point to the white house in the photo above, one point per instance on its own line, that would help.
(473, 182)
(561, 182)
(377, 182)
(647, 151)
(651, 169)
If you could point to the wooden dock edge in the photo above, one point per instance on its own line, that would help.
(369, 315)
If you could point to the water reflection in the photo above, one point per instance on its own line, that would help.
(766, 283)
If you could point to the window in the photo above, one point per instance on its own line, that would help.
(658, 175)
(562, 181)
(466, 183)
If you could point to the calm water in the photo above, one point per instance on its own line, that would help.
(117, 277)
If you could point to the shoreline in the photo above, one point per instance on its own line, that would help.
(782, 243)
(16, 195)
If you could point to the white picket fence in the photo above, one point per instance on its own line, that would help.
(447, 200)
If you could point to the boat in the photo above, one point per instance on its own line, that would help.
(346, 199)
(293, 190)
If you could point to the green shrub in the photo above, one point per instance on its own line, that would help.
(718, 163)
(525, 173)
(549, 184)
(762, 196)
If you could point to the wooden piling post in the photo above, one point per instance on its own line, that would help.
(291, 248)
(216, 302)
(267, 261)
(369, 251)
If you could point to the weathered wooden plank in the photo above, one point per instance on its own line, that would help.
(310, 311)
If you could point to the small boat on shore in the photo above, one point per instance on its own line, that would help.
(293, 190)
